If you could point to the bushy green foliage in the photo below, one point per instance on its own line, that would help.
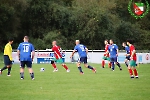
(91, 21)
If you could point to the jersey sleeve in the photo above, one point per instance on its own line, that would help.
(19, 47)
(53, 48)
(116, 47)
(76, 48)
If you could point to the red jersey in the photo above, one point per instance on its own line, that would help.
(106, 49)
(57, 52)
(132, 48)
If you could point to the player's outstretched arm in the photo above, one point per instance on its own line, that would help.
(72, 53)
(86, 50)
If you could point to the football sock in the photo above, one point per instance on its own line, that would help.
(9, 69)
(109, 65)
(22, 74)
(130, 71)
(118, 64)
(65, 67)
(90, 67)
(32, 75)
(126, 64)
(54, 65)
(5, 67)
(112, 65)
(135, 72)
(103, 63)
(80, 69)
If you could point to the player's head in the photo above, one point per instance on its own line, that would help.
(11, 40)
(129, 42)
(106, 42)
(77, 42)
(54, 43)
(111, 41)
(124, 44)
(26, 39)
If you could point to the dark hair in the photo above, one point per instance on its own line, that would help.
(130, 41)
(10, 39)
(26, 37)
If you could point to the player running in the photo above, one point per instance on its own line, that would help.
(133, 58)
(7, 57)
(113, 51)
(127, 59)
(26, 54)
(58, 57)
(82, 51)
(106, 55)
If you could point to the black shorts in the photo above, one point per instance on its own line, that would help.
(26, 63)
(7, 61)
(128, 57)
(83, 60)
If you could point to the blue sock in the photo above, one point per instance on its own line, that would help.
(113, 65)
(126, 64)
(80, 69)
(90, 67)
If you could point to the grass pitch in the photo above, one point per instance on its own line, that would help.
(104, 85)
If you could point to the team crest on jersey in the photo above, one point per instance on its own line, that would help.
(138, 9)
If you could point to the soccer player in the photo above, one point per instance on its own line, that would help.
(82, 51)
(58, 57)
(113, 51)
(133, 58)
(106, 55)
(26, 54)
(127, 53)
(7, 57)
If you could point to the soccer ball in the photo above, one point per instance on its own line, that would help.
(42, 69)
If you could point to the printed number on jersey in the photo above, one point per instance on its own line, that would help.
(25, 48)
(82, 48)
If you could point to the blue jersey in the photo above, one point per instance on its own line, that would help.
(81, 49)
(127, 49)
(25, 49)
(113, 50)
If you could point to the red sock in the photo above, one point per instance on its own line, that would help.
(65, 67)
(135, 72)
(109, 65)
(130, 71)
(54, 65)
(103, 63)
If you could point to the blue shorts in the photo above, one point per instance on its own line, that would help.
(7, 61)
(27, 63)
(83, 60)
(113, 59)
(128, 57)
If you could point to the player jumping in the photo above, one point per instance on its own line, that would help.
(82, 51)
(7, 57)
(133, 58)
(113, 51)
(127, 59)
(106, 55)
(25, 51)
(58, 57)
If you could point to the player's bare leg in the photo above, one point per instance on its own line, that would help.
(65, 66)
(31, 73)
(22, 73)
(79, 67)
(90, 67)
